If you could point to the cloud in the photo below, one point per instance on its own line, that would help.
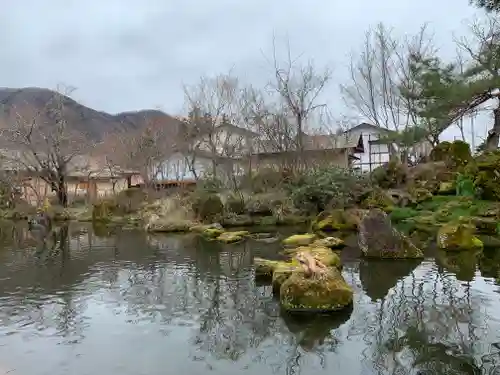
(128, 54)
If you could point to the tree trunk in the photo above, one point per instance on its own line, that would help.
(62, 194)
(494, 133)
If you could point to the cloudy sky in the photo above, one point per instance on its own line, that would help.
(128, 54)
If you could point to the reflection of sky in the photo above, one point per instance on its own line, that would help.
(150, 327)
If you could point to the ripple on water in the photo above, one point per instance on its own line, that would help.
(130, 304)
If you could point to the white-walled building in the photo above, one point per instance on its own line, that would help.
(377, 152)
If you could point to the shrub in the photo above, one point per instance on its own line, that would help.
(390, 175)
(484, 170)
(266, 179)
(317, 189)
(235, 204)
(454, 154)
(207, 206)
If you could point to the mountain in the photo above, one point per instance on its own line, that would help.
(29, 102)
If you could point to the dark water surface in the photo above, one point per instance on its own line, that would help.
(133, 304)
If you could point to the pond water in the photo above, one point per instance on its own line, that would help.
(133, 304)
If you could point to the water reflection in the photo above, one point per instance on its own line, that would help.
(132, 303)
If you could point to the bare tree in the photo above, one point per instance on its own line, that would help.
(483, 49)
(378, 72)
(213, 127)
(47, 144)
(299, 87)
(144, 150)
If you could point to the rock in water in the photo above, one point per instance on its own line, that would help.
(323, 292)
(378, 239)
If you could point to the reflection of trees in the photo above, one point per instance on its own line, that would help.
(429, 321)
(378, 276)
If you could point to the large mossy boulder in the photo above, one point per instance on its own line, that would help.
(322, 254)
(378, 198)
(282, 272)
(264, 268)
(320, 293)
(300, 239)
(378, 239)
(336, 220)
(484, 170)
(166, 225)
(233, 237)
(457, 237)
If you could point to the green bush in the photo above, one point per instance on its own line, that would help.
(484, 170)
(455, 154)
(391, 175)
(327, 187)
(207, 206)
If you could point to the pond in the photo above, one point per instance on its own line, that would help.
(133, 304)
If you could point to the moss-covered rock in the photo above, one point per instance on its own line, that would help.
(336, 220)
(330, 242)
(264, 268)
(322, 254)
(209, 230)
(419, 194)
(458, 236)
(486, 225)
(300, 239)
(378, 239)
(323, 292)
(237, 221)
(485, 172)
(163, 225)
(378, 199)
(233, 237)
(282, 271)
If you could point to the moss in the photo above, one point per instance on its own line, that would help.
(486, 225)
(237, 221)
(266, 221)
(264, 268)
(419, 194)
(326, 292)
(378, 199)
(330, 242)
(458, 236)
(282, 271)
(484, 170)
(455, 154)
(233, 237)
(323, 254)
(336, 220)
(170, 226)
(300, 239)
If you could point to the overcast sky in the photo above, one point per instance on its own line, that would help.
(129, 54)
